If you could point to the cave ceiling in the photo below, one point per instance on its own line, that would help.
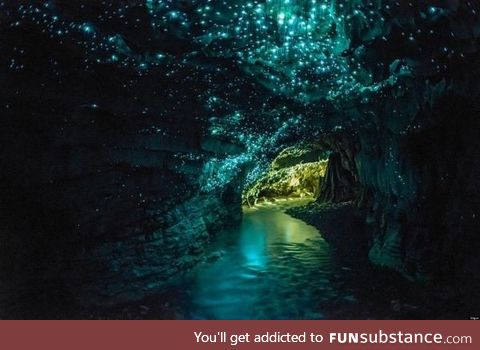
(262, 74)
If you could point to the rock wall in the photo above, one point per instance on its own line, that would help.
(341, 183)
(107, 205)
(102, 178)
(418, 158)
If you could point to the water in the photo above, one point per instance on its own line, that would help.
(272, 267)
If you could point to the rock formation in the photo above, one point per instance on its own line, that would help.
(295, 172)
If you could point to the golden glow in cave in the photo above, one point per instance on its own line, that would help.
(301, 180)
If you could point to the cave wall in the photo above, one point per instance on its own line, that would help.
(106, 206)
(341, 183)
(415, 120)
(103, 172)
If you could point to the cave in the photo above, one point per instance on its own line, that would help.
(296, 172)
(203, 159)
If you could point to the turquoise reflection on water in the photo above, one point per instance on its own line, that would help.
(273, 267)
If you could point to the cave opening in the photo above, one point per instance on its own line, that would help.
(296, 172)
(318, 184)
(324, 171)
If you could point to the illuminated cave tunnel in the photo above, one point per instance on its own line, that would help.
(306, 172)
(134, 130)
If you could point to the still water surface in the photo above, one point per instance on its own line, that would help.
(272, 267)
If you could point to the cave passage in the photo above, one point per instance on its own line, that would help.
(296, 172)
(134, 131)
(274, 266)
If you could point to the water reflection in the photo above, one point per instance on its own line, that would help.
(273, 267)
